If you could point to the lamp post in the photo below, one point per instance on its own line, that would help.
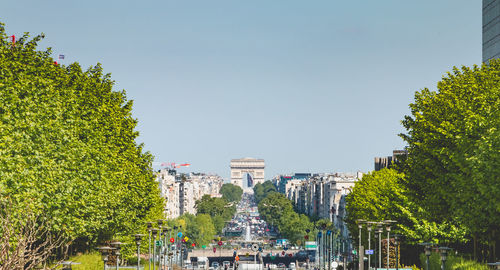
(160, 234)
(150, 227)
(444, 255)
(105, 254)
(360, 256)
(117, 245)
(379, 231)
(428, 250)
(329, 234)
(397, 241)
(138, 239)
(369, 227)
(376, 259)
(166, 230)
(154, 232)
(388, 228)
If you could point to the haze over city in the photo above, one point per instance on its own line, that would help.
(308, 86)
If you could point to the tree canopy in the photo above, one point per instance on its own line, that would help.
(262, 190)
(278, 211)
(381, 195)
(453, 138)
(68, 146)
(219, 209)
(231, 193)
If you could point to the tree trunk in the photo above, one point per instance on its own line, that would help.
(475, 247)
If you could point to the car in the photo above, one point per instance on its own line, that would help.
(281, 265)
(215, 265)
(226, 264)
(291, 265)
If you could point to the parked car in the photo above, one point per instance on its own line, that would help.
(215, 265)
(291, 265)
(281, 265)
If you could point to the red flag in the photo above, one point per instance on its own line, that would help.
(13, 40)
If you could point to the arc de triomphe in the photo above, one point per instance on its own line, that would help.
(253, 166)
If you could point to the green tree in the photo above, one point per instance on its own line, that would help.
(453, 138)
(231, 193)
(218, 209)
(275, 209)
(262, 190)
(381, 195)
(198, 228)
(68, 146)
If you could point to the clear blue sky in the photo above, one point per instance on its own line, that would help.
(309, 86)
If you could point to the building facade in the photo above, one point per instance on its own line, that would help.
(387, 162)
(491, 29)
(181, 191)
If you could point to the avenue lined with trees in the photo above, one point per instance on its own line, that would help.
(73, 174)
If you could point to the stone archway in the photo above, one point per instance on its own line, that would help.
(253, 166)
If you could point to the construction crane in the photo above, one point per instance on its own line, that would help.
(173, 165)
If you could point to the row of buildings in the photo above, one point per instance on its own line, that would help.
(181, 191)
(320, 195)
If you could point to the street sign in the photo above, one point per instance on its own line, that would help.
(172, 240)
(219, 243)
(369, 252)
(159, 243)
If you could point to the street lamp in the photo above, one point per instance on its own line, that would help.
(150, 227)
(444, 255)
(397, 241)
(428, 251)
(154, 232)
(379, 231)
(117, 245)
(388, 228)
(166, 230)
(369, 227)
(138, 238)
(360, 256)
(105, 254)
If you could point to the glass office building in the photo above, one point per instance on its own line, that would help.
(491, 29)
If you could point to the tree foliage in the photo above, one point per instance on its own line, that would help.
(453, 138)
(198, 228)
(381, 195)
(67, 146)
(219, 209)
(278, 211)
(231, 193)
(262, 190)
